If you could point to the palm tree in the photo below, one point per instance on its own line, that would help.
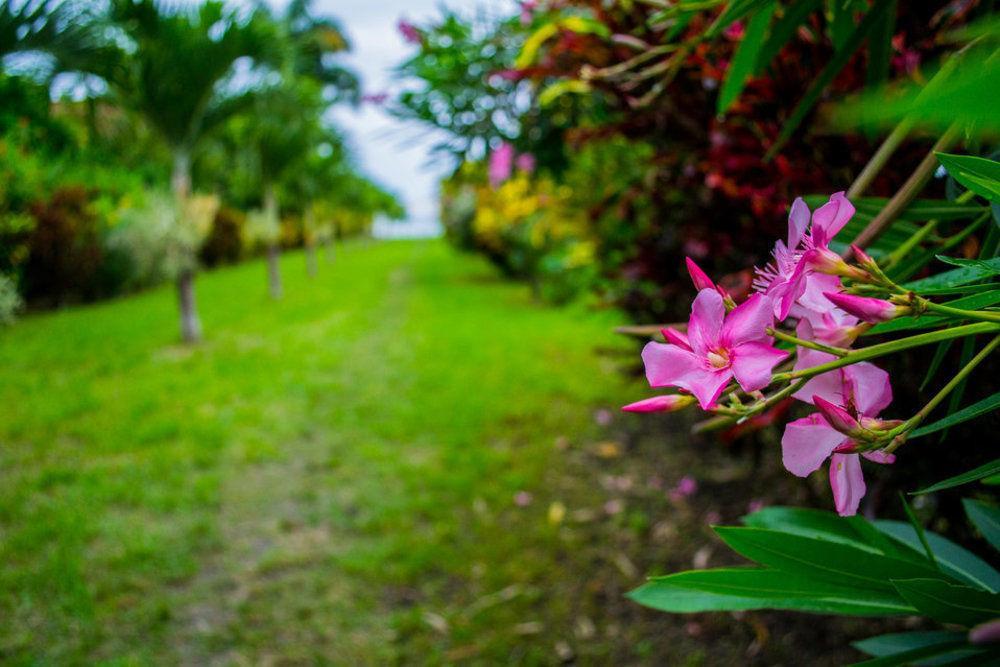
(171, 76)
(283, 128)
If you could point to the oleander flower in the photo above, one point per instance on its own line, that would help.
(667, 403)
(718, 348)
(866, 308)
(849, 401)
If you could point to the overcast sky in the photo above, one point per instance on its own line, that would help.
(395, 154)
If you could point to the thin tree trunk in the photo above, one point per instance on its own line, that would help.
(180, 183)
(273, 250)
(311, 258)
(190, 324)
(274, 271)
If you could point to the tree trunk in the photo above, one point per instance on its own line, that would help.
(180, 183)
(273, 250)
(274, 271)
(190, 324)
(311, 258)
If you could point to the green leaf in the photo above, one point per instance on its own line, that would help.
(782, 31)
(853, 531)
(986, 518)
(821, 559)
(776, 589)
(940, 352)
(745, 58)
(880, 47)
(958, 392)
(734, 11)
(983, 264)
(898, 642)
(977, 409)
(955, 653)
(987, 470)
(837, 63)
(953, 559)
(978, 174)
(955, 277)
(949, 603)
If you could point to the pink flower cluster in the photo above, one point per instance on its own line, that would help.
(726, 342)
(502, 162)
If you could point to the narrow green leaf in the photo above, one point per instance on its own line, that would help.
(953, 559)
(677, 599)
(986, 518)
(821, 559)
(919, 530)
(958, 653)
(837, 63)
(978, 174)
(955, 277)
(880, 47)
(853, 531)
(745, 58)
(987, 470)
(782, 31)
(898, 642)
(955, 399)
(949, 603)
(734, 11)
(984, 265)
(940, 352)
(977, 409)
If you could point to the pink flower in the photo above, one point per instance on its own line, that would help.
(831, 326)
(501, 164)
(720, 347)
(669, 403)
(528, 8)
(849, 400)
(698, 277)
(787, 278)
(867, 308)
(409, 32)
(525, 162)
(685, 488)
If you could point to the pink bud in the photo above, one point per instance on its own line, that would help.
(675, 337)
(698, 277)
(837, 417)
(861, 255)
(865, 307)
(668, 403)
(824, 260)
(985, 633)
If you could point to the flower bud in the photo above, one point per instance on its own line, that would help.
(864, 259)
(675, 337)
(866, 308)
(824, 260)
(985, 633)
(668, 403)
(698, 277)
(838, 417)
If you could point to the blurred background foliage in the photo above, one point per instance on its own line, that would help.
(107, 107)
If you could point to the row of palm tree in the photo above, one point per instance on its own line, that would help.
(252, 81)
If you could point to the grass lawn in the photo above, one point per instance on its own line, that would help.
(397, 462)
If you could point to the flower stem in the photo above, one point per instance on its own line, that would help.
(877, 161)
(882, 349)
(772, 400)
(984, 315)
(812, 345)
(915, 420)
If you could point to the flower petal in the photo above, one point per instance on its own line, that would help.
(879, 456)
(831, 217)
(707, 314)
(807, 442)
(672, 366)
(748, 321)
(869, 388)
(847, 482)
(798, 220)
(828, 385)
(675, 337)
(752, 363)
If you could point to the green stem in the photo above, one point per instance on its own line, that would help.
(915, 420)
(906, 194)
(897, 255)
(812, 345)
(984, 315)
(882, 155)
(882, 349)
(771, 400)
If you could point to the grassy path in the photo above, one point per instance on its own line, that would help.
(300, 484)
(400, 462)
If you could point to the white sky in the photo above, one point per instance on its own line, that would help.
(394, 153)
